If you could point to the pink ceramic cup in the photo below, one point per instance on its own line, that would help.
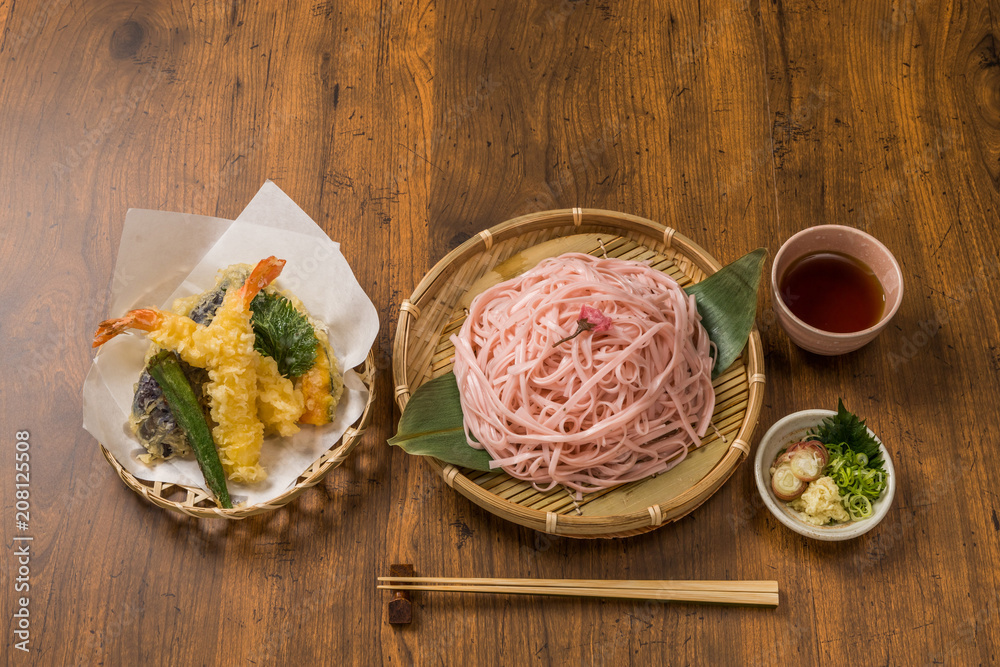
(849, 241)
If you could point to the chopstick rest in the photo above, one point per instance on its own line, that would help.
(400, 607)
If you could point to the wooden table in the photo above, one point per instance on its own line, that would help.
(403, 129)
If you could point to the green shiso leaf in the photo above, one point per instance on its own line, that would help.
(431, 425)
(283, 333)
(727, 302)
(845, 428)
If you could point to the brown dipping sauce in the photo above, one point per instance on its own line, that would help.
(833, 292)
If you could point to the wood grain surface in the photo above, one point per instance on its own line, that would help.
(403, 128)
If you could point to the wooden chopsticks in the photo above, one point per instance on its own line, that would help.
(755, 593)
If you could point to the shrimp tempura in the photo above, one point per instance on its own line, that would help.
(225, 349)
(280, 403)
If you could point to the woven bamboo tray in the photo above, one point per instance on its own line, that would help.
(435, 311)
(193, 501)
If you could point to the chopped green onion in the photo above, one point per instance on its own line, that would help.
(859, 507)
(859, 484)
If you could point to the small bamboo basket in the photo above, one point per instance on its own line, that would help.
(436, 310)
(195, 502)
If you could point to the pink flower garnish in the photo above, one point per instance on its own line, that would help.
(598, 321)
(591, 319)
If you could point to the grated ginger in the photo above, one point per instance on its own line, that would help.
(820, 503)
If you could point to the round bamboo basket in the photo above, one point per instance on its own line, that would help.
(435, 310)
(195, 502)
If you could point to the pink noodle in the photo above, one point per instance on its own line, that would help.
(601, 409)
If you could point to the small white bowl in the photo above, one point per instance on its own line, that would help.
(792, 429)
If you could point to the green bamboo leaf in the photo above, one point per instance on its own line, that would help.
(431, 425)
(727, 302)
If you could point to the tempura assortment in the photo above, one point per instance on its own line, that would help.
(256, 361)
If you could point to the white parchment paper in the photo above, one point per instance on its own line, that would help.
(163, 256)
